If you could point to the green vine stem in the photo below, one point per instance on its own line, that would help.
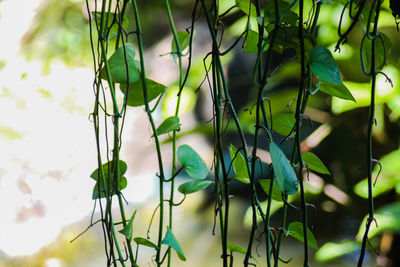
(157, 143)
(370, 159)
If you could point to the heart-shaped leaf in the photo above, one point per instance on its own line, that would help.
(314, 163)
(193, 164)
(145, 242)
(194, 186)
(168, 125)
(284, 173)
(381, 47)
(128, 229)
(295, 229)
(239, 165)
(171, 241)
(324, 66)
(338, 90)
(135, 92)
(108, 183)
(121, 61)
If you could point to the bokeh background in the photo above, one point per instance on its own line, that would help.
(48, 147)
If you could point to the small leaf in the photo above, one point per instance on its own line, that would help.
(118, 66)
(314, 163)
(171, 241)
(108, 168)
(135, 92)
(284, 173)
(276, 191)
(108, 171)
(283, 123)
(295, 229)
(184, 41)
(239, 165)
(168, 125)
(192, 163)
(246, 6)
(128, 229)
(324, 66)
(145, 242)
(338, 90)
(194, 186)
(332, 250)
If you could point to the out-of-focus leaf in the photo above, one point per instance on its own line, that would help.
(246, 6)
(135, 92)
(276, 191)
(380, 50)
(332, 250)
(283, 123)
(239, 165)
(388, 218)
(184, 41)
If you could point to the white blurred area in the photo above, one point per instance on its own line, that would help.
(47, 142)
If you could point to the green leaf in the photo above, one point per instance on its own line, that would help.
(112, 26)
(284, 173)
(135, 92)
(103, 192)
(239, 165)
(324, 66)
(236, 248)
(286, 15)
(193, 164)
(338, 90)
(184, 41)
(276, 191)
(246, 6)
(168, 125)
(108, 171)
(251, 43)
(295, 229)
(314, 163)
(127, 231)
(194, 186)
(224, 5)
(171, 241)
(388, 218)
(380, 49)
(283, 123)
(118, 66)
(145, 242)
(332, 250)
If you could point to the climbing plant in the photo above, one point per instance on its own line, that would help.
(272, 34)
